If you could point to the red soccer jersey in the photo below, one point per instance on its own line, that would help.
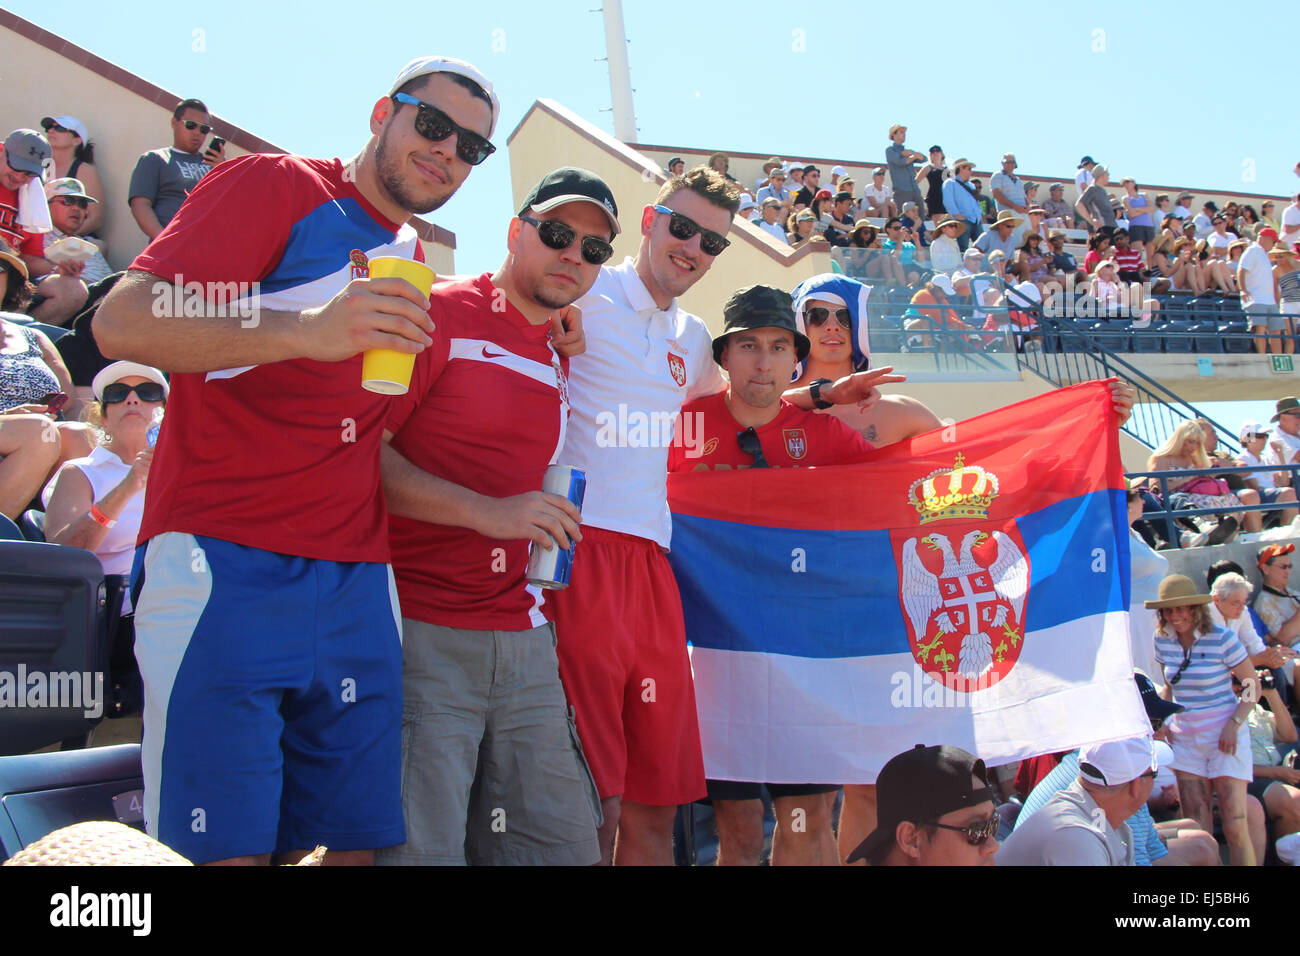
(282, 457)
(705, 439)
(27, 243)
(487, 410)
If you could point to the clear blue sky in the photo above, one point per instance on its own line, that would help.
(1048, 81)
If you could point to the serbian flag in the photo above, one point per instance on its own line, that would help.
(969, 587)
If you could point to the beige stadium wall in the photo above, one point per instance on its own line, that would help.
(550, 136)
(126, 116)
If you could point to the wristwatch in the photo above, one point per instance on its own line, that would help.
(815, 390)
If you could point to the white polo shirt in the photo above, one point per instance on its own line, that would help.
(641, 366)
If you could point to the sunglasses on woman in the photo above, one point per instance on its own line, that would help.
(683, 227)
(557, 235)
(435, 125)
(977, 834)
(817, 316)
(73, 201)
(145, 391)
(203, 128)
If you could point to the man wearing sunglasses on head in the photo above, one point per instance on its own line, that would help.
(267, 622)
(1084, 824)
(163, 177)
(486, 735)
(936, 809)
(645, 358)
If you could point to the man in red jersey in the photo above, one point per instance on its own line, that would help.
(750, 425)
(491, 768)
(267, 626)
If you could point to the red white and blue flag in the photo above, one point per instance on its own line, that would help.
(969, 587)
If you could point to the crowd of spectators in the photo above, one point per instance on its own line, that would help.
(1158, 245)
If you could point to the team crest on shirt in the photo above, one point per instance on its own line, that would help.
(360, 264)
(963, 585)
(677, 365)
(796, 443)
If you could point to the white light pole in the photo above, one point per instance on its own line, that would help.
(620, 77)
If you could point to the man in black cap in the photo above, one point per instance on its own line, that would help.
(1204, 219)
(676, 166)
(935, 809)
(750, 425)
(1083, 178)
(491, 771)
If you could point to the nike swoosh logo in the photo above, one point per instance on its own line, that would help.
(487, 354)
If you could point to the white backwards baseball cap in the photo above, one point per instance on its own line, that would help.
(1116, 762)
(424, 65)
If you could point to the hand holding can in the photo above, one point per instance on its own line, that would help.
(551, 567)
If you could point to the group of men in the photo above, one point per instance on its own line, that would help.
(289, 702)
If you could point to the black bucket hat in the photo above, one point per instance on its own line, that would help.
(759, 307)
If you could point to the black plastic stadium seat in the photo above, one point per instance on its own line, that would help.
(32, 524)
(40, 793)
(54, 616)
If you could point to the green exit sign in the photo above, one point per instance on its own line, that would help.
(1283, 363)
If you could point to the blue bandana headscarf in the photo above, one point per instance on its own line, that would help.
(838, 288)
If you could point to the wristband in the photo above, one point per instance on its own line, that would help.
(100, 518)
(815, 390)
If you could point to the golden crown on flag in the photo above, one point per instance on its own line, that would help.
(967, 492)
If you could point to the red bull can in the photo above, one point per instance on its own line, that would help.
(551, 567)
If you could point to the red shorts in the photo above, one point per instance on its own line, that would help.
(621, 642)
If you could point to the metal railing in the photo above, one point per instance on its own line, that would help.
(1157, 411)
(1169, 516)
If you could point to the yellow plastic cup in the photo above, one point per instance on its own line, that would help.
(386, 371)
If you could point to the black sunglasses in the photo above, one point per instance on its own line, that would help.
(73, 201)
(750, 445)
(683, 227)
(203, 128)
(145, 391)
(56, 128)
(435, 125)
(1187, 659)
(817, 316)
(557, 235)
(977, 834)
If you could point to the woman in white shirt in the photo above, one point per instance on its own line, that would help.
(96, 502)
(945, 254)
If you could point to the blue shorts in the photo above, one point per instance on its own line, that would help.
(273, 699)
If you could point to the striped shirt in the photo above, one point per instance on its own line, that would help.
(1129, 260)
(1205, 683)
